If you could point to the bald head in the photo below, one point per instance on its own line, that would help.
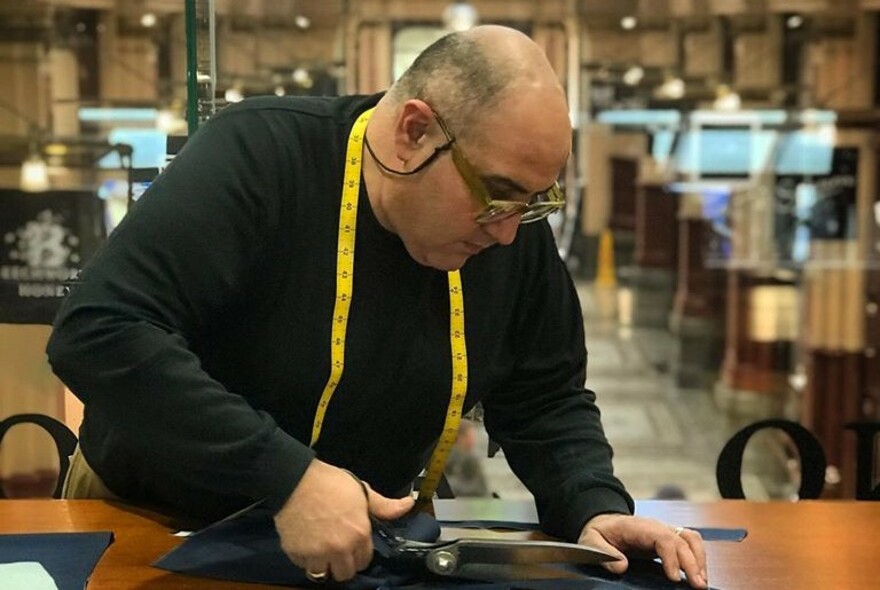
(464, 75)
(514, 52)
(506, 112)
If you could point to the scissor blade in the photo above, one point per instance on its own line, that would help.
(496, 572)
(506, 551)
(451, 558)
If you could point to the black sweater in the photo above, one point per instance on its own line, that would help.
(198, 337)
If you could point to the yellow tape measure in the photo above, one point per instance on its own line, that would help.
(351, 185)
(344, 287)
(456, 399)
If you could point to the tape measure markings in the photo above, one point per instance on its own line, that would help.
(344, 286)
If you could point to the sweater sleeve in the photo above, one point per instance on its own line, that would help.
(545, 420)
(122, 339)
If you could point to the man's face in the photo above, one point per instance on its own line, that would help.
(514, 159)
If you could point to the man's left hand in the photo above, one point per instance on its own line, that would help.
(678, 548)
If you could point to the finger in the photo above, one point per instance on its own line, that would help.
(388, 508)
(363, 555)
(314, 568)
(695, 540)
(343, 567)
(692, 558)
(594, 538)
(667, 549)
(301, 561)
(618, 567)
(361, 551)
(297, 560)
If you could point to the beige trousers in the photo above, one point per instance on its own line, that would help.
(82, 483)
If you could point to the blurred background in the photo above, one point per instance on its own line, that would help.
(722, 218)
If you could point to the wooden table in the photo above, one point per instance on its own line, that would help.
(811, 545)
(808, 545)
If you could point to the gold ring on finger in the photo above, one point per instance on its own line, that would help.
(677, 531)
(318, 577)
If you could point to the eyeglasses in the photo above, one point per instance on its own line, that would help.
(539, 206)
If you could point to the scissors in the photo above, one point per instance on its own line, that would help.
(478, 558)
(471, 557)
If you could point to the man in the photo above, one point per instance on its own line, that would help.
(277, 309)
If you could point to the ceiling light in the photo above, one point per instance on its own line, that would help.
(671, 89)
(34, 174)
(164, 120)
(460, 16)
(828, 134)
(169, 122)
(148, 20)
(55, 149)
(233, 94)
(301, 76)
(726, 99)
(795, 21)
(633, 76)
(302, 21)
(279, 90)
(628, 23)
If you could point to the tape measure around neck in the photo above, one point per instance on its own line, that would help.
(456, 398)
(344, 288)
(351, 184)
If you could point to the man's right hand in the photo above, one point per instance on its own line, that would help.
(324, 525)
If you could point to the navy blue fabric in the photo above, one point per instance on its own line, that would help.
(246, 548)
(718, 534)
(708, 533)
(641, 575)
(69, 558)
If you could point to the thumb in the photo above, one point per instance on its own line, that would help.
(389, 508)
(594, 539)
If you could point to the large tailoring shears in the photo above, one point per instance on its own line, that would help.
(481, 558)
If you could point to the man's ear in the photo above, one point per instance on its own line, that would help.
(411, 131)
